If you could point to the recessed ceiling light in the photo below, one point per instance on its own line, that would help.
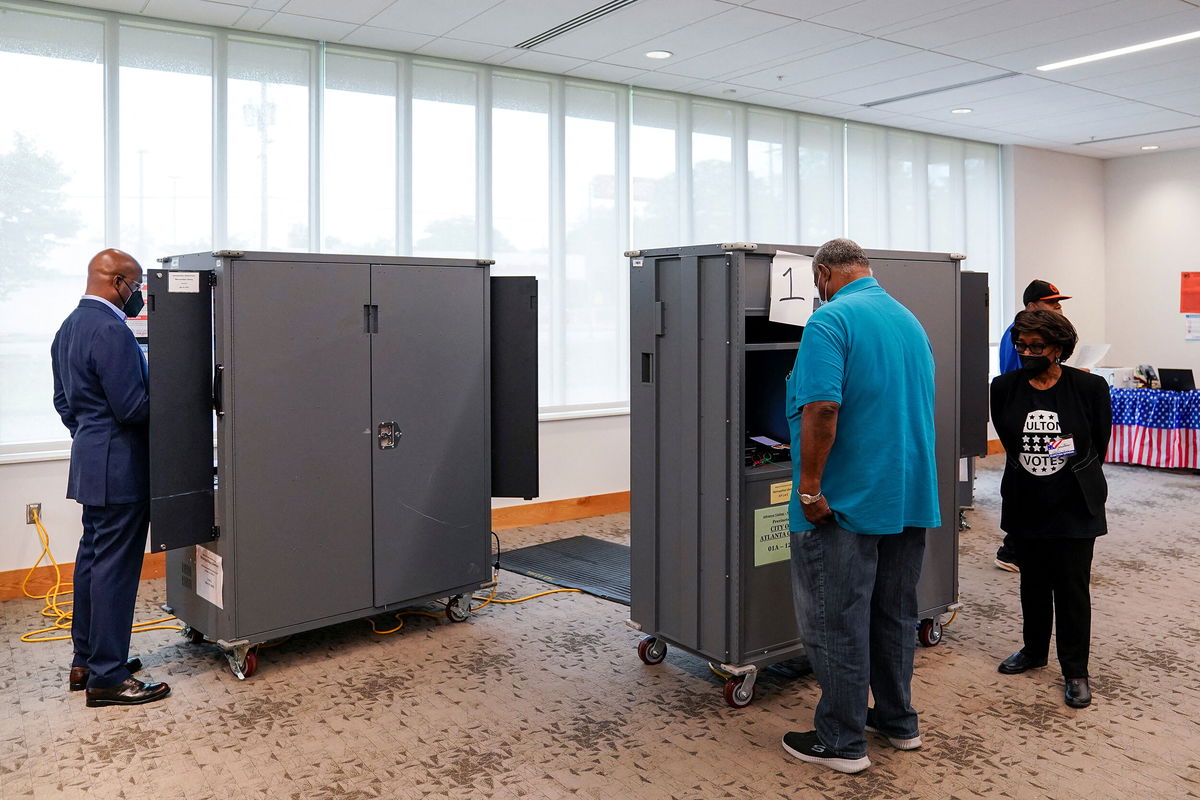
(1149, 147)
(961, 110)
(1121, 51)
(659, 54)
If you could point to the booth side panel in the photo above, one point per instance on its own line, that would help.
(717, 429)
(644, 453)
(297, 393)
(929, 289)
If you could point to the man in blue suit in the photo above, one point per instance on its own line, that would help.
(101, 393)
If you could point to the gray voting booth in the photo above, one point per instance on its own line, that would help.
(708, 572)
(365, 411)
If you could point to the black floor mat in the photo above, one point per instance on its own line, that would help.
(581, 562)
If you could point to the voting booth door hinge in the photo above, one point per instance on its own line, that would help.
(216, 532)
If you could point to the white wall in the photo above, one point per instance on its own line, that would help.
(1153, 224)
(577, 457)
(1057, 233)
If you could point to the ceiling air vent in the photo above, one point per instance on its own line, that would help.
(572, 24)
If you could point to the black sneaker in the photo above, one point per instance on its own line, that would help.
(807, 747)
(896, 742)
(1006, 559)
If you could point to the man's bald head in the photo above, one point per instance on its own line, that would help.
(112, 274)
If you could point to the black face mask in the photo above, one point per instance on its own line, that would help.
(1034, 365)
(133, 306)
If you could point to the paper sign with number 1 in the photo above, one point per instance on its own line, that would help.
(792, 289)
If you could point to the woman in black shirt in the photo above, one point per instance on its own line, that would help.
(1054, 422)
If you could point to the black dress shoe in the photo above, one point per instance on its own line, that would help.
(130, 693)
(79, 675)
(1018, 662)
(1077, 693)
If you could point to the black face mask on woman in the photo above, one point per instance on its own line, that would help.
(1034, 365)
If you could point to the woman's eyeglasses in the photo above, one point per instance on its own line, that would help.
(1036, 348)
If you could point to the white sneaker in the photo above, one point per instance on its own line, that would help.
(808, 747)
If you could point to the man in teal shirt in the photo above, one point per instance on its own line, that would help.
(860, 408)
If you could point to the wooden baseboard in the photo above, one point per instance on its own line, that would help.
(994, 447)
(155, 565)
(559, 510)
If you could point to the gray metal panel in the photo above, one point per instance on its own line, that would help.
(430, 357)
(297, 396)
(929, 289)
(643, 448)
(514, 350)
(677, 411)
(181, 417)
(973, 366)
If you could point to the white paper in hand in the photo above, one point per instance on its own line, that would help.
(792, 289)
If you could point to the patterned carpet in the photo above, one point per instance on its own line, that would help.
(548, 699)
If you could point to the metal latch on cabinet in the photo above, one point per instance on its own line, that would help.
(389, 432)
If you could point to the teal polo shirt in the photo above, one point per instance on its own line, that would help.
(866, 352)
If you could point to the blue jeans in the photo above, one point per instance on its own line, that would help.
(856, 603)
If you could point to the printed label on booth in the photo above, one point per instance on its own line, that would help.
(772, 539)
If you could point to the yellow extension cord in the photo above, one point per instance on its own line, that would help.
(491, 598)
(60, 610)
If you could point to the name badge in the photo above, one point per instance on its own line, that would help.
(1062, 446)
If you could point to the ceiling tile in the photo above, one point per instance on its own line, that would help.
(307, 27)
(657, 25)
(253, 19)
(458, 49)
(1187, 101)
(123, 6)
(782, 45)
(513, 21)
(870, 16)
(385, 39)
(662, 80)
(979, 95)
(600, 71)
(812, 105)
(962, 72)
(356, 11)
(800, 9)
(423, 16)
(543, 62)
(809, 69)
(942, 34)
(198, 11)
(270, 5)
(1013, 50)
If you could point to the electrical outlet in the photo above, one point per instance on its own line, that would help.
(30, 509)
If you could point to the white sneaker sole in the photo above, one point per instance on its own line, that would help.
(900, 744)
(847, 765)
(1007, 567)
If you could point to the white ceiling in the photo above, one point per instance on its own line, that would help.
(831, 57)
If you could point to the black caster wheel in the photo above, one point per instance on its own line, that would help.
(929, 634)
(652, 650)
(736, 695)
(458, 609)
(194, 636)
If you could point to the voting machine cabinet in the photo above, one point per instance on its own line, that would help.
(365, 411)
(709, 541)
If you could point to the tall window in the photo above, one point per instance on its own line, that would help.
(166, 142)
(224, 139)
(51, 201)
(595, 288)
(358, 156)
(444, 161)
(268, 150)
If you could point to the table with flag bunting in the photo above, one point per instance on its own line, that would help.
(1155, 428)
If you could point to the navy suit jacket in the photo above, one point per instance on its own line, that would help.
(102, 394)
